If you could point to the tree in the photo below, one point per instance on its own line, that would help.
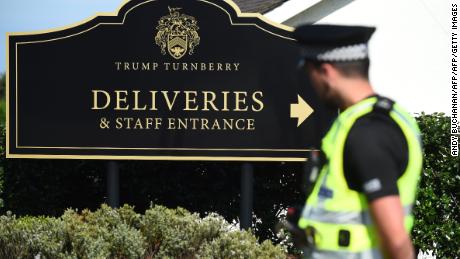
(2, 98)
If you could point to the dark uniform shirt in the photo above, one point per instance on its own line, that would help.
(375, 156)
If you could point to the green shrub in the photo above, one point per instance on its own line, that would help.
(177, 233)
(437, 208)
(122, 233)
(240, 244)
(105, 233)
(28, 236)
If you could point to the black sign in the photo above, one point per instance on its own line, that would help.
(165, 80)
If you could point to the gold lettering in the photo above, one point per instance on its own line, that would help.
(228, 123)
(158, 122)
(204, 124)
(171, 124)
(118, 65)
(128, 122)
(215, 125)
(225, 94)
(95, 100)
(118, 123)
(251, 124)
(168, 101)
(236, 65)
(239, 100)
(136, 102)
(175, 66)
(138, 124)
(194, 122)
(145, 66)
(167, 66)
(148, 123)
(237, 124)
(190, 100)
(184, 67)
(209, 101)
(182, 123)
(194, 66)
(121, 100)
(154, 105)
(258, 101)
(135, 66)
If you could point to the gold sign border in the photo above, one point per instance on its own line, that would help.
(175, 158)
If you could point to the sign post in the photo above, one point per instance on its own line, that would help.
(247, 194)
(113, 184)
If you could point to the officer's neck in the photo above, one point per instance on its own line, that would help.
(353, 90)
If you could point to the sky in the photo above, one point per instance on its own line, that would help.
(409, 51)
(32, 15)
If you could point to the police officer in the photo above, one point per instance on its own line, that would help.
(361, 203)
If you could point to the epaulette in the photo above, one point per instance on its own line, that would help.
(383, 105)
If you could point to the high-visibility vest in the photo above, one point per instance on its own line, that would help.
(338, 218)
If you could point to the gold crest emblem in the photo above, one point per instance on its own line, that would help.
(177, 33)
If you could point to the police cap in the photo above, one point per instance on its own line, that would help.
(333, 43)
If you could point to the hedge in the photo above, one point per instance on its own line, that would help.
(437, 208)
(123, 233)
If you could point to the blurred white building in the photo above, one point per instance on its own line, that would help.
(409, 51)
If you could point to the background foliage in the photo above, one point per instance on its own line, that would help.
(2, 123)
(2, 97)
(49, 187)
(437, 209)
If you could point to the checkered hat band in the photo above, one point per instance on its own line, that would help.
(348, 53)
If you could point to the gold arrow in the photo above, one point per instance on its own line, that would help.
(300, 110)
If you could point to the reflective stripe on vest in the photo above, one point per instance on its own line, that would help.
(333, 207)
(343, 217)
(368, 254)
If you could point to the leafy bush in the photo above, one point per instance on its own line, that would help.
(122, 233)
(437, 209)
(24, 237)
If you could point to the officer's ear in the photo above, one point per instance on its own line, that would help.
(327, 69)
(329, 72)
(322, 69)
